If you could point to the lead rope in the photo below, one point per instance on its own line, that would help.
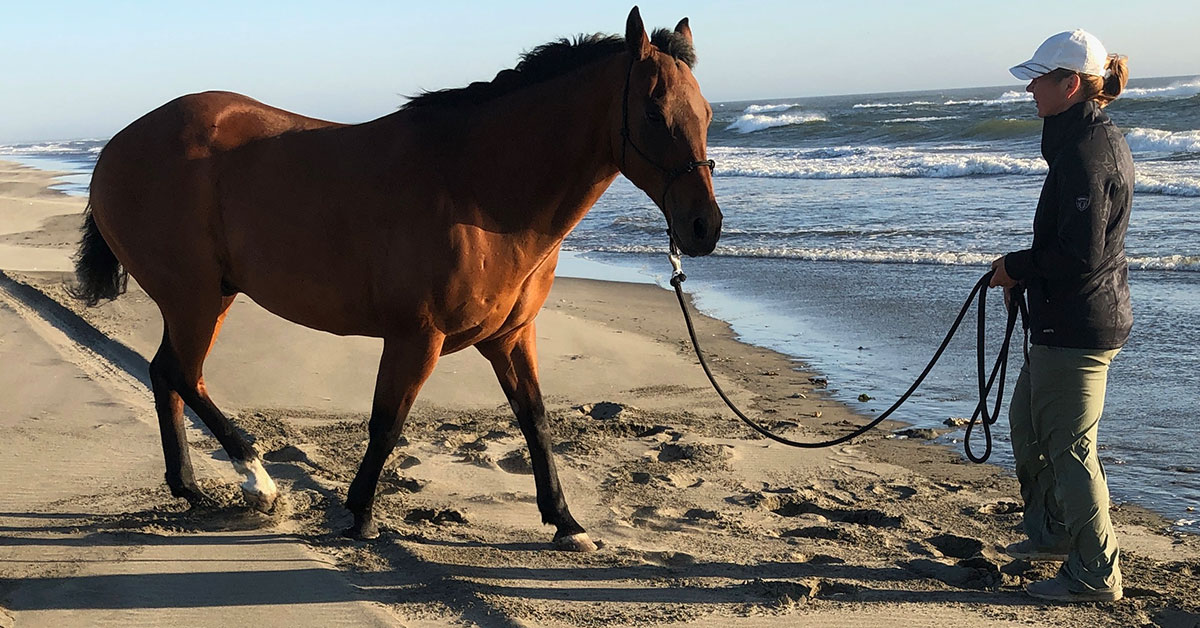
(981, 415)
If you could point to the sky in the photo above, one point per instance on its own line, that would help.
(72, 69)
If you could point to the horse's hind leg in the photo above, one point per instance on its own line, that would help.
(169, 406)
(190, 333)
(405, 365)
(514, 358)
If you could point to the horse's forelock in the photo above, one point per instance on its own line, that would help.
(674, 44)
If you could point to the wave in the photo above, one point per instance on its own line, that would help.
(769, 108)
(872, 162)
(1189, 263)
(1177, 90)
(1167, 184)
(1007, 98)
(68, 147)
(882, 105)
(867, 162)
(921, 119)
(752, 122)
(897, 256)
(1155, 141)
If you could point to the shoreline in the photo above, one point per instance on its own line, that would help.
(690, 502)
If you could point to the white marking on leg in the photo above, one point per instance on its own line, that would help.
(258, 483)
(579, 542)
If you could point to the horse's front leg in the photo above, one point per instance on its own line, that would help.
(514, 357)
(404, 367)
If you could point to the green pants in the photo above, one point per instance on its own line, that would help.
(1055, 411)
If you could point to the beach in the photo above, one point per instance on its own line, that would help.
(700, 519)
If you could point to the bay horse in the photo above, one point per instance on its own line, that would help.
(435, 228)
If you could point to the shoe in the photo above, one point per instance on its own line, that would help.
(1056, 589)
(1028, 551)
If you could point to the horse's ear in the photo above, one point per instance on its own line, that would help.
(635, 36)
(683, 29)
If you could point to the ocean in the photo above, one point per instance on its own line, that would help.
(856, 225)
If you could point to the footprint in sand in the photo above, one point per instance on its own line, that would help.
(956, 546)
(475, 445)
(434, 516)
(894, 491)
(391, 482)
(861, 516)
(701, 453)
(1001, 508)
(478, 459)
(828, 533)
(516, 461)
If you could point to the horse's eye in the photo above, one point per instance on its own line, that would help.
(654, 114)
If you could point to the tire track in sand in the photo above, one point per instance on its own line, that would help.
(116, 367)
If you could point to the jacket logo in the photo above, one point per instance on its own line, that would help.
(1082, 202)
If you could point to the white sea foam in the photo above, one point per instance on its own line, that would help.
(883, 105)
(898, 256)
(867, 162)
(892, 256)
(770, 108)
(1167, 184)
(1169, 262)
(1006, 98)
(54, 148)
(752, 122)
(1177, 90)
(921, 119)
(1156, 141)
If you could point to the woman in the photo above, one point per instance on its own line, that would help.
(1076, 278)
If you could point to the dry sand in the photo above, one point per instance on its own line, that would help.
(702, 521)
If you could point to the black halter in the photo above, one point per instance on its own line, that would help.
(626, 140)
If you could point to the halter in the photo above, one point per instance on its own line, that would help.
(671, 175)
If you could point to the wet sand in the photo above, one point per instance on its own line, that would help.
(701, 519)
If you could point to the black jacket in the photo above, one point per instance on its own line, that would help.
(1075, 274)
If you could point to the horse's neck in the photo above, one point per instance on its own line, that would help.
(544, 154)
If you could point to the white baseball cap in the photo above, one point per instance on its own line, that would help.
(1076, 50)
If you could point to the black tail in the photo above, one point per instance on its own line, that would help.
(97, 270)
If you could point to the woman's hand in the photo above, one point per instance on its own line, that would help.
(1001, 278)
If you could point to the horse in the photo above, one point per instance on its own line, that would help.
(436, 228)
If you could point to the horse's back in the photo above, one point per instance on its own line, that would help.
(198, 125)
(154, 189)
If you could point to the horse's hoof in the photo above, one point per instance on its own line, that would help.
(262, 502)
(362, 531)
(259, 489)
(579, 542)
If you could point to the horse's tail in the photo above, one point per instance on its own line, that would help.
(97, 270)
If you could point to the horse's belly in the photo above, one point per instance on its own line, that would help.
(339, 319)
(321, 291)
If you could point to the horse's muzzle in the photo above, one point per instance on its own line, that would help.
(699, 235)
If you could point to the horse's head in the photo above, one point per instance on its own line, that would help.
(662, 140)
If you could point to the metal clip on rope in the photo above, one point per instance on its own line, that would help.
(677, 275)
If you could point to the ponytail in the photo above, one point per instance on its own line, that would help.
(1117, 69)
(1105, 89)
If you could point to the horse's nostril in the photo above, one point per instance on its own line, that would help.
(700, 228)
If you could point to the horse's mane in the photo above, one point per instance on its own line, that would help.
(548, 61)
